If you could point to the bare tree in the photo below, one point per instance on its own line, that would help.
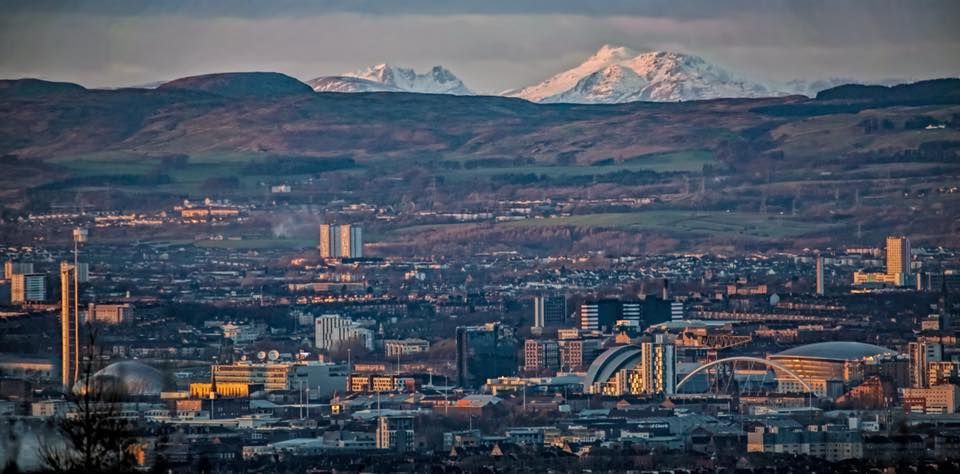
(94, 437)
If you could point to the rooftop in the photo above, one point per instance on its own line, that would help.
(835, 350)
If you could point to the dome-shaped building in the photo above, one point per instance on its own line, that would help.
(128, 378)
(830, 367)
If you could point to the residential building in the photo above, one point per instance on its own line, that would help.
(341, 241)
(821, 442)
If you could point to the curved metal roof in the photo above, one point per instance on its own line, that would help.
(610, 362)
(835, 350)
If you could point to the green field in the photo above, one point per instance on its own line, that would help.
(256, 244)
(681, 161)
(193, 178)
(187, 180)
(696, 222)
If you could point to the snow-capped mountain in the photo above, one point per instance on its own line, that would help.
(387, 78)
(617, 74)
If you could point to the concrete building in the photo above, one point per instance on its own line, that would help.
(28, 288)
(333, 331)
(395, 433)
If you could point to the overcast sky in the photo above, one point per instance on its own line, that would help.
(492, 45)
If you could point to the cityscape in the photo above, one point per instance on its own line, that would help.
(645, 263)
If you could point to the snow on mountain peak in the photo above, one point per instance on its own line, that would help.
(609, 52)
(616, 74)
(388, 78)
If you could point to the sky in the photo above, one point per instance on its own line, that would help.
(492, 45)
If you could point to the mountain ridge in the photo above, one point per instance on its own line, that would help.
(617, 74)
(388, 78)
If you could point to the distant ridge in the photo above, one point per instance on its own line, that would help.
(30, 87)
(934, 91)
(241, 84)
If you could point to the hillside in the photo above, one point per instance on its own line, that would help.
(241, 84)
(834, 166)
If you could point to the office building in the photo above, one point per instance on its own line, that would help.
(109, 313)
(549, 311)
(321, 379)
(484, 352)
(28, 288)
(898, 256)
(676, 311)
(341, 241)
(541, 355)
(333, 331)
(69, 326)
(395, 433)
(603, 315)
(820, 276)
(11, 268)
